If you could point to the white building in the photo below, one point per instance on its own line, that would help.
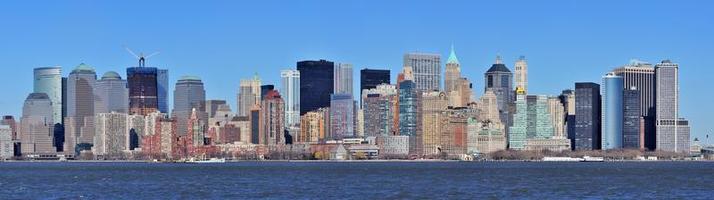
(6, 145)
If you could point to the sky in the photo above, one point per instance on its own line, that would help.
(225, 41)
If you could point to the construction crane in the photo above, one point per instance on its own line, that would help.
(141, 57)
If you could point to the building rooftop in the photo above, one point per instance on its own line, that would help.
(83, 68)
(452, 57)
(111, 75)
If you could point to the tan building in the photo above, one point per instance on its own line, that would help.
(521, 75)
(433, 104)
(248, 95)
(313, 126)
(36, 126)
(557, 115)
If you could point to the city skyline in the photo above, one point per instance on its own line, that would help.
(475, 55)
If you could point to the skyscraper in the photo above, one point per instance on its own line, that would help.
(567, 98)
(408, 108)
(521, 68)
(672, 130)
(370, 78)
(143, 90)
(162, 89)
(9, 120)
(499, 80)
(427, 70)
(189, 94)
(379, 110)
(48, 80)
(452, 75)
(343, 78)
(587, 116)
(272, 126)
(342, 116)
(632, 133)
(290, 82)
(316, 84)
(112, 95)
(612, 111)
(432, 122)
(79, 128)
(248, 95)
(641, 75)
(36, 125)
(110, 140)
(531, 120)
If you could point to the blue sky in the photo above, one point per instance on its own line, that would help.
(224, 41)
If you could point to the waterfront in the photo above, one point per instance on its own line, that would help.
(357, 180)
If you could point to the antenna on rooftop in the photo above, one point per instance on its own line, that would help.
(141, 57)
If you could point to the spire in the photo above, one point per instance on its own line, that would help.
(499, 60)
(452, 57)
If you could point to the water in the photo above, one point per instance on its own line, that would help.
(391, 180)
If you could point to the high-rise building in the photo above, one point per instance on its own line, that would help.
(314, 126)
(248, 95)
(112, 95)
(672, 130)
(143, 90)
(48, 80)
(427, 70)
(291, 95)
(316, 84)
(371, 78)
(612, 111)
(213, 105)
(409, 106)
(557, 116)
(499, 80)
(343, 78)
(567, 98)
(531, 120)
(632, 133)
(489, 134)
(641, 75)
(272, 126)
(453, 135)
(379, 110)
(7, 149)
(162, 89)
(432, 105)
(342, 116)
(452, 75)
(189, 94)
(36, 125)
(521, 68)
(79, 126)
(110, 139)
(255, 119)
(587, 116)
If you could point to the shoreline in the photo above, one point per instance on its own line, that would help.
(341, 161)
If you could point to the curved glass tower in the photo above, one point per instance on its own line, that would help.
(612, 111)
(48, 80)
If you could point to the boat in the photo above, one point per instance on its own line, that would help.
(593, 159)
(562, 159)
(209, 161)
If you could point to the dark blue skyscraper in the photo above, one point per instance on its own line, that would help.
(587, 116)
(316, 84)
(370, 78)
(143, 91)
(162, 83)
(633, 122)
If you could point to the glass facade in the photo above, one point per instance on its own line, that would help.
(612, 111)
(316, 84)
(143, 93)
(427, 70)
(631, 127)
(48, 80)
(587, 116)
(370, 78)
